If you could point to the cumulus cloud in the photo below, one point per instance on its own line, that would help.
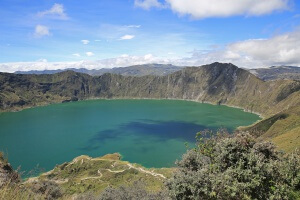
(57, 11)
(217, 8)
(147, 4)
(41, 31)
(127, 37)
(85, 41)
(89, 54)
(281, 49)
(128, 60)
(225, 8)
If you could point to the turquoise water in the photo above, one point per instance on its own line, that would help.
(148, 132)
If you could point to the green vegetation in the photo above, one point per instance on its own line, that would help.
(236, 168)
(83, 177)
(223, 166)
(86, 174)
(16, 192)
(135, 191)
(37, 191)
(283, 129)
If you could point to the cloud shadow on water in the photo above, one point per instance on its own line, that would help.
(157, 130)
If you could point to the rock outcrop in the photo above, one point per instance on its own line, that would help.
(7, 174)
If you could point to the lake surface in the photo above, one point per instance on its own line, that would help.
(148, 132)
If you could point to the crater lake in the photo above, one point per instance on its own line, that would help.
(152, 133)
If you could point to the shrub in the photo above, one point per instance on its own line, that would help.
(47, 189)
(136, 191)
(17, 192)
(236, 167)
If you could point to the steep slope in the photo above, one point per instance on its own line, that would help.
(18, 91)
(283, 129)
(216, 83)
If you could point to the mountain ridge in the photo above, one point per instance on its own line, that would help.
(134, 70)
(216, 83)
(277, 72)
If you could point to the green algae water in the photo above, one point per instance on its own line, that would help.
(148, 132)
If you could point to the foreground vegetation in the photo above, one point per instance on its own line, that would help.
(236, 168)
(86, 176)
(219, 167)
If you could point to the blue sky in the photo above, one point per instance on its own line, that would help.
(108, 33)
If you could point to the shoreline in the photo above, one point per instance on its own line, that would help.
(157, 99)
(130, 98)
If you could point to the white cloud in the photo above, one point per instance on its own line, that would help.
(115, 31)
(128, 60)
(282, 49)
(127, 37)
(225, 8)
(42, 60)
(89, 54)
(133, 26)
(217, 8)
(85, 41)
(57, 11)
(147, 4)
(121, 61)
(97, 40)
(41, 31)
(76, 54)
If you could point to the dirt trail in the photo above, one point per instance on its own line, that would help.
(146, 171)
(81, 160)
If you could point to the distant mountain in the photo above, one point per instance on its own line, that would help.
(136, 70)
(277, 72)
